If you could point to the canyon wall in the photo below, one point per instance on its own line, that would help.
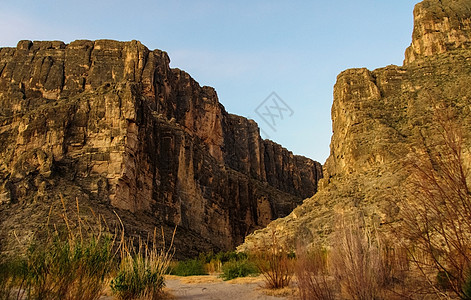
(381, 120)
(112, 125)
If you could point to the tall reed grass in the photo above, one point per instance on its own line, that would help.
(142, 269)
(77, 257)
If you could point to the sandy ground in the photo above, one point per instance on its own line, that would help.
(214, 288)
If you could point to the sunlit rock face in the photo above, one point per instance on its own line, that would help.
(382, 118)
(112, 125)
(439, 26)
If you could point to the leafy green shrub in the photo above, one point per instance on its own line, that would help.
(238, 268)
(189, 267)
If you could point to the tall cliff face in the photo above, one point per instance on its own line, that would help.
(111, 124)
(439, 27)
(381, 118)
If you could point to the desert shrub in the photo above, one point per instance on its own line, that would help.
(437, 215)
(238, 268)
(206, 257)
(189, 267)
(141, 272)
(213, 262)
(360, 264)
(363, 264)
(74, 260)
(275, 265)
(313, 280)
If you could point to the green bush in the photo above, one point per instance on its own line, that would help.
(137, 279)
(231, 256)
(238, 268)
(189, 267)
(206, 257)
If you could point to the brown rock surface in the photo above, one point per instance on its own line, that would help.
(379, 119)
(439, 26)
(110, 123)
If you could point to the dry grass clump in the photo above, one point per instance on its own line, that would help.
(141, 272)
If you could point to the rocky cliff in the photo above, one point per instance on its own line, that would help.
(111, 124)
(381, 118)
(439, 27)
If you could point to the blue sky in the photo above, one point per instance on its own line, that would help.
(244, 49)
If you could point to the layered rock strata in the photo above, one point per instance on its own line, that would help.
(111, 124)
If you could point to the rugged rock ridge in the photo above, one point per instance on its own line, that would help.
(112, 124)
(382, 117)
(439, 27)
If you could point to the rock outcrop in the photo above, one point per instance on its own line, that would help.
(111, 124)
(439, 27)
(381, 118)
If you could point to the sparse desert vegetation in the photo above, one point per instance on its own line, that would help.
(141, 270)
(437, 217)
(78, 258)
(112, 126)
(426, 255)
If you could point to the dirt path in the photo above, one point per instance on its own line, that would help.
(214, 288)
